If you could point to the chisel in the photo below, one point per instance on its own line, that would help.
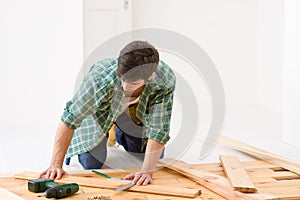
(122, 188)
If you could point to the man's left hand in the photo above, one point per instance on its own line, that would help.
(140, 178)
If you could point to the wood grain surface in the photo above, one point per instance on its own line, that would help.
(273, 182)
(237, 175)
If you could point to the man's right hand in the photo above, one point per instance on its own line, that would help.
(53, 172)
(62, 141)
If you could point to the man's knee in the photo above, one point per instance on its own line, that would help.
(130, 143)
(95, 158)
(88, 161)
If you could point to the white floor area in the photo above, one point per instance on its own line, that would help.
(30, 148)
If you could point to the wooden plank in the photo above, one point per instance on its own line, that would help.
(236, 174)
(5, 175)
(285, 175)
(112, 184)
(264, 196)
(212, 182)
(257, 180)
(247, 166)
(19, 187)
(7, 195)
(88, 173)
(280, 184)
(261, 154)
(284, 193)
(261, 173)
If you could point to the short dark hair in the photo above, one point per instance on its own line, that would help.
(137, 60)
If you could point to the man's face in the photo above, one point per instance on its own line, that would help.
(132, 86)
(135, 85)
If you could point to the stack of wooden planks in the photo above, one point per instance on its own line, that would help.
(260, 154)
(270, 179)
(272, 182)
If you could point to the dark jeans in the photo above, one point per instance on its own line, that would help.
(95, 158)
(132, 144)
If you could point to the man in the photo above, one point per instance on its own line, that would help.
(135, 92)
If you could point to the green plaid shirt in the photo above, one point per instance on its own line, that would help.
(97, 104)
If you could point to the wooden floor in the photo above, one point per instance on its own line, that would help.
(272, 182)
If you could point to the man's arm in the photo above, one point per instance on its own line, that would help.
(152, 155)
(62, 141)
(157, 131)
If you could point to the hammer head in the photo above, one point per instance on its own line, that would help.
(39, 185)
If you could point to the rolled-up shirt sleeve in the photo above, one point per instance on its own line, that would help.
(85, 101)
(158, 124)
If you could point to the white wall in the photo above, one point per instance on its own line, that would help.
(41, 53)
(244, 40)
(291, 96)
(227, 30)
(270, 54)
